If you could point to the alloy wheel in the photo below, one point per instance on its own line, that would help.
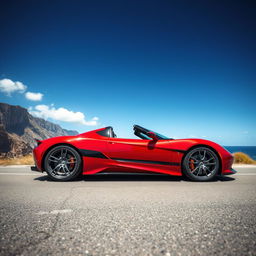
(62, 162)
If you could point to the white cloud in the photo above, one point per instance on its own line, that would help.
(35, 96)
(8, 86)
(61, 114)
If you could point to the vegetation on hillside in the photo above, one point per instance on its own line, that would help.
(25, 160)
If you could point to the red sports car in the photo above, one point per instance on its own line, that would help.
(65, 158)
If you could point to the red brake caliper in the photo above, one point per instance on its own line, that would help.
(72, 162)
(191, 164)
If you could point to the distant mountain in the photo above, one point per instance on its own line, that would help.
(19, 129)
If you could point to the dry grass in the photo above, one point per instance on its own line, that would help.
(25, 160)
(242, 158)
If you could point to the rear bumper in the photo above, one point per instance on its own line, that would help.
(34, 169)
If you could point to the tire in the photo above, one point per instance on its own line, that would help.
(201, 164)
(63, 163)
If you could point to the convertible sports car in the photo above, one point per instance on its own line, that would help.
(65, 158)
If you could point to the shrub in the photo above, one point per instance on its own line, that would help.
(242, 158)
(26, 160)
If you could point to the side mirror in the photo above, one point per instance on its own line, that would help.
(152, 135)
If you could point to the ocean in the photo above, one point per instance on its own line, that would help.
(249, 150)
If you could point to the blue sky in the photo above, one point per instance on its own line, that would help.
(182, 68)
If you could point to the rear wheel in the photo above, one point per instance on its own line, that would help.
(62, 163)
(201, 164)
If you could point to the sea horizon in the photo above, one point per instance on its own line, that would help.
(249, 150)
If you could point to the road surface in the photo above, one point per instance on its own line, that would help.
(127, 215)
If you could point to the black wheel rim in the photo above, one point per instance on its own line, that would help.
(202, 162)
(61, 163)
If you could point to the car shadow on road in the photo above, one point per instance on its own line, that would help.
(101, 177)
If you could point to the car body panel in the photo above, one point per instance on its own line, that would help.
(108, 154)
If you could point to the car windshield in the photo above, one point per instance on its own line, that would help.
(161, 136)
(142, 133)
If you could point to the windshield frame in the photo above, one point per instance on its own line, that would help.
(141, 132)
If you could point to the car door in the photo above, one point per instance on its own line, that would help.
(137, 150)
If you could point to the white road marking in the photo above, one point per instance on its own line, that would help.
(241, 174)
(234, 166)
(23, 174)
(55, 212)
(14, 166)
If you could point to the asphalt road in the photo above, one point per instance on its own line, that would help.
(127, 215)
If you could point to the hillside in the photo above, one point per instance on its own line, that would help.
(19, 129)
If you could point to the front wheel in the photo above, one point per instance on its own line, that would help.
(62, 163)
(201, 164)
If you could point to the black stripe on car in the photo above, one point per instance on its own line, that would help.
(146, 161)
(92, 153)
(97, 154)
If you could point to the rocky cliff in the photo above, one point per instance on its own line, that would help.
(19, 129)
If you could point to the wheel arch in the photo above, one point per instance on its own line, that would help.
(207, 146)
(60, 144)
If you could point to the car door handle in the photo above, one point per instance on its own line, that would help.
(111, 143)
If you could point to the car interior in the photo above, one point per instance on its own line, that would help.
(139, 131)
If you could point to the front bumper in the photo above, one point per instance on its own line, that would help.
(229, 172)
